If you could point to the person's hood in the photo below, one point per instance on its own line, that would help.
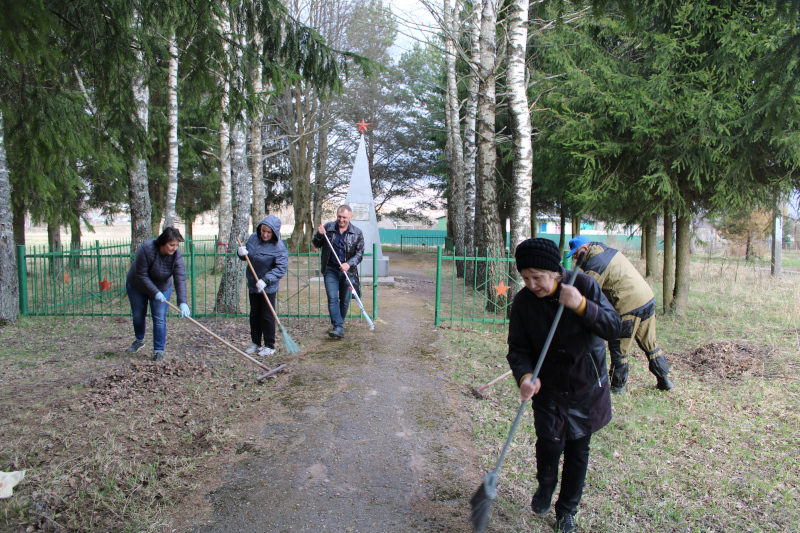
(275, 225)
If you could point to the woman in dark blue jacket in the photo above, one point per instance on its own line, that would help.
(150, 278)
(270, 260)
(571, 398)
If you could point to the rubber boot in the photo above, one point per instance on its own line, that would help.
(619, 377)
(660, 370)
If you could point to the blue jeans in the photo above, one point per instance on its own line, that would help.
(339, 294)
(158, 310)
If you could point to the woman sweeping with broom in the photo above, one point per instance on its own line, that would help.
(571, 398)
(270, 259)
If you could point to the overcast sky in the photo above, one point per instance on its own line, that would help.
(414, 24)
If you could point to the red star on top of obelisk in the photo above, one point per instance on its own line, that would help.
(362, 126)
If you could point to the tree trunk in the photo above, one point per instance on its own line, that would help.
(138, 193)
(643, 241)
(471, 147)
(224, 220)
(9, 284)
(487, 145)
(241, 192)
(188, 227)
(454, 147)
(321, 166)
(747, 247)
(680, 299)
(651, 252)
(777, 238)
(54, 246)
(301, 156)
(18, 219)
(522, 177)
(257, 213)
(562, 239)
(75, 242)
(172, 120)
(669, 272)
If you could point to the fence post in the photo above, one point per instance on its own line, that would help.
(22, 276)
(438, 284)
(192, 278)
(374, 280)
(401, 242)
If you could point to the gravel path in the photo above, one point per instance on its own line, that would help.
(368, 437)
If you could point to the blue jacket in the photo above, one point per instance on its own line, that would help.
(270, 259)
(152, 272)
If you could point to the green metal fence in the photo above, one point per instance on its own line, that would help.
(476, 292)
(90, 281)
(421, 243)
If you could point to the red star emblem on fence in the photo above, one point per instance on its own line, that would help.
(105, 285)
(502, 289)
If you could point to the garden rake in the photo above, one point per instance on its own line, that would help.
(270, 371)
(291, 346)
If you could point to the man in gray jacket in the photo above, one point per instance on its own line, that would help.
(348, 244)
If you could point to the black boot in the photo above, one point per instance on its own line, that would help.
(619, 377)
(660, 370)
(541, 500)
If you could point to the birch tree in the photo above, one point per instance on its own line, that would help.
(138, 193)
(9, 284)
(516, 87)
(224, 214)
(172, 119)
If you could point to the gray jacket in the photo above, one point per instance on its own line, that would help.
(270, 258)
(152, 272)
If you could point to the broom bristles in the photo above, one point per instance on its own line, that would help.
(481, 509)
(291, 346)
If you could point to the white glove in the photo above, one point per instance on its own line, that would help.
(260, 285)
(242, 251)
(159, 297)
(185, 311)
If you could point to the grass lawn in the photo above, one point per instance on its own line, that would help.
(717, 453)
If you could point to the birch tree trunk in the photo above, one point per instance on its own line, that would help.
(487, 146)
(224, 218)
(471, 147)
(241, 192)
(651, 247)
(455, 152)
(680, 296)
(257, 213)
(138, 193)
(9, 283)
(321, 166)
(172, 121)
(669, 272)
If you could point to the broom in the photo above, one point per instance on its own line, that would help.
(482, 500)
(291, 346)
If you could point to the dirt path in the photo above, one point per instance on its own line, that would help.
(367, 436)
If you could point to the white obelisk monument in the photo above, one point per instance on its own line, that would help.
(359, 198)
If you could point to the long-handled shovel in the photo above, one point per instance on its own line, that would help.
(352, 288)
(483, 498)
(270, 372)
(291, 346)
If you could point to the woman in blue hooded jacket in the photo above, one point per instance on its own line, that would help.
(270, 260)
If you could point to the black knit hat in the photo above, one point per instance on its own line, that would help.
(538, 253)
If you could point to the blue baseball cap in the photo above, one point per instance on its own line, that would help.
(576, 243)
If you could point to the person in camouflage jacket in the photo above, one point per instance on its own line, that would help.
(635, 302)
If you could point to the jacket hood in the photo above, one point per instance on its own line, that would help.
(274, 224)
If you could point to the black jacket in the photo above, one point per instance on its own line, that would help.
(574, 399)
(152, 272)
(353, 246)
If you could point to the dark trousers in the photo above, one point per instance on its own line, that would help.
(576, 462)
(262, 321)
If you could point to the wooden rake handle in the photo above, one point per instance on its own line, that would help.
(253, 270)
(495, 380)
(220, 339)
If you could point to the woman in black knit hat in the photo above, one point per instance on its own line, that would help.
(571, 397)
